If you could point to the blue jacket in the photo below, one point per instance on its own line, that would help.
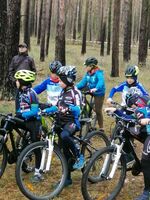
(94, 80)
(53, 90)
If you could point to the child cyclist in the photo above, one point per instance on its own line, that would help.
(51, 84)
(131, 74)
(27, 108)
(95, 82)
(68, 107)
(141, 104)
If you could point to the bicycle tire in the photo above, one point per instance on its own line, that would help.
(52, 184)
(102, 188)
(3, 159)
(96, 139)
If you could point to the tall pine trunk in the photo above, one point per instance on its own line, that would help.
(3, 22)
(115, 40)
(83, 50)
(127, 31)
(60, 33)
(12, 41)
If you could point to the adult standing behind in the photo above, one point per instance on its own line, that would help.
(94, 80)
(19, 62)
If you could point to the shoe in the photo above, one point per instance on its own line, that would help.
(37, 178)
(144, 196)
(136, 169)
(129, 160)
(79, 164)
(68, 182)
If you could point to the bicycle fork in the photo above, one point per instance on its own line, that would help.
(107, 162)
(47, 155)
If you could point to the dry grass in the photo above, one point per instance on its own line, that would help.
(133, 185)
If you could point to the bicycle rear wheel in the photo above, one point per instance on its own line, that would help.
(103, 187)
(53, 180)
(3, 160)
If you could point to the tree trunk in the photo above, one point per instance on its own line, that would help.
(79, 16)
(143, 39)
(103, 37)
(39, 23)
(75, 21)
(127, 31)
(43, 25)
(83, 50)
(90, 20)
(12, 41)
(115, 40)
(27, 24)
(48, 26)
(32, 17)
(3, 22)
(60, 33)
(109, 28)
(36, 17)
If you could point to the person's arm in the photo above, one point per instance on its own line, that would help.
(118, 88)
(32, 65)
(82, 83)
(142, 89)
(11, 70)
(32, 113)
(100, 82)
(41, 87)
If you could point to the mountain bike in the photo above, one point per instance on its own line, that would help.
(105, 173)
(54, 166)
(11, 127)
(88, 111)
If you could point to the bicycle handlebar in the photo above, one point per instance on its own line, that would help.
(11, 117)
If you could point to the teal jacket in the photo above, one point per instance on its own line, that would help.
(94, 80)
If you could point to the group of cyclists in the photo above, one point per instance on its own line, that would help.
(65, 98)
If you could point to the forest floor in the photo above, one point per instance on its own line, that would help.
(133, 185)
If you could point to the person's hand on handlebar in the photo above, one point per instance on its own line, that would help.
(110, 109)
(144, 121)
(109, 101)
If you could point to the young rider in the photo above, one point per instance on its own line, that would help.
(68, 107)
(94, 80)
(131, 74)
(141, 104)
(27, 108)
(51, 84)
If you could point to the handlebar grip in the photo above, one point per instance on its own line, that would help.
(18, 120)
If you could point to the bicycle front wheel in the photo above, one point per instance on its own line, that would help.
(3, 159)
(53, 180)
(103, 187)
(94, 141)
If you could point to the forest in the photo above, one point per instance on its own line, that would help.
(116, 32)
(112, 24)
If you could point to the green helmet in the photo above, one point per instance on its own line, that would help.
(25, 75)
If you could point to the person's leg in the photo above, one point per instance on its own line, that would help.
(145, 163)
(98, 109)
(69, 144)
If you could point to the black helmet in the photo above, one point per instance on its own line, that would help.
(67, 74)
(91, 61)
(54, 66)
(132, 71)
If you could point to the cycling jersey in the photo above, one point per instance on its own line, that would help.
(53, 89)
(27, 104)
(124, 87)
(69, 100)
